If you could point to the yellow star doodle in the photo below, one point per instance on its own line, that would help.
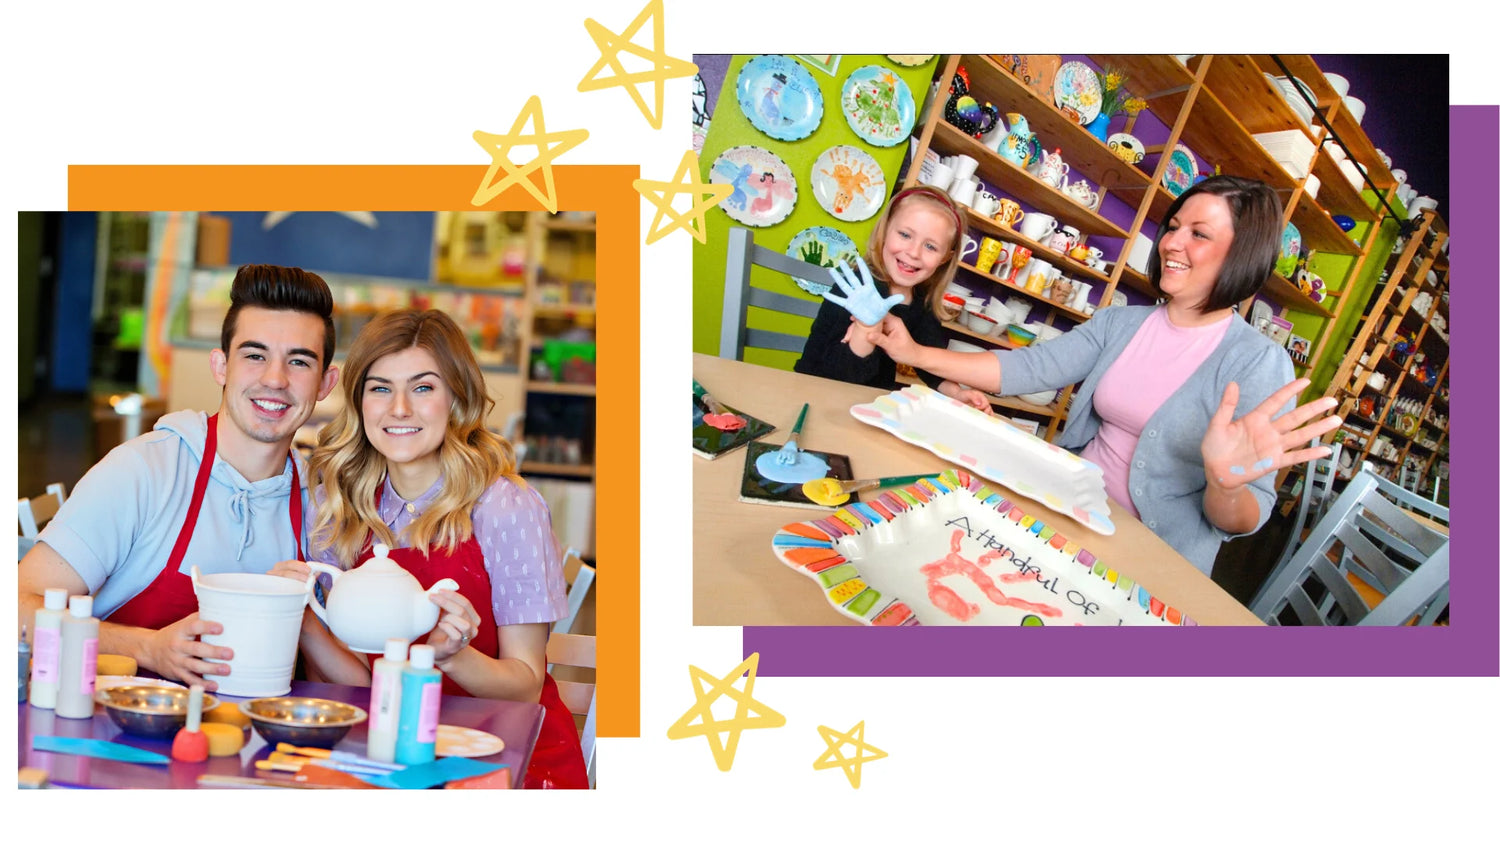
(610, 44)
(834, 758)
(709, 727)
(656, 193)
(549, 145)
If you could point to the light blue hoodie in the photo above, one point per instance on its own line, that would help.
(119, 523)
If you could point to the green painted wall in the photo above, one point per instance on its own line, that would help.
(730, 128)
(1356, 291)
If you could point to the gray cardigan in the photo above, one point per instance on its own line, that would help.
(1166, 475)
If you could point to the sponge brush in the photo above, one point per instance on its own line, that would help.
(190, 744)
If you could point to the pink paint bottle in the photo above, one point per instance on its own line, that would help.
(421, 694)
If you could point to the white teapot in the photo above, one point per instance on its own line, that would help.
(1080, 192)
(377, 601)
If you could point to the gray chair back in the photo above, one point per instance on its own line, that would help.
(1312, 588)
(739, 296)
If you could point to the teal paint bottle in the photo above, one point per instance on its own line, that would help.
(421, 694)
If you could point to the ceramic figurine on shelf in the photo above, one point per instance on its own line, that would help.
(965, 112)
(1021, 146)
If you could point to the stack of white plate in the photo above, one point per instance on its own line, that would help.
(1293, 98)
(1291, 149)
(1352, 174)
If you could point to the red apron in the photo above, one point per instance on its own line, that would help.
(170, 598)
(557, 761)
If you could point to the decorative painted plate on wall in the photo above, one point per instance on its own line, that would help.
(1291, 250)
(1077, 92)
(911, 61)
(1033, 467)
(765, 191)
(825, 247)
(878, 105)
(951, 550)
(848, 183)
(779, 97)
(1182, 169)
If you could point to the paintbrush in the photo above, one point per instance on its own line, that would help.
(337, 756)
(789, 453)
(831, 492)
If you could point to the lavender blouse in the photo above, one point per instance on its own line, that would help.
(514, 530)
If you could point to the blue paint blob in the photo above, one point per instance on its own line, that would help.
(808, 467)
(1236, 470)
(1263, 465)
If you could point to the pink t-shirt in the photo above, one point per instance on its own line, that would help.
(1159, 359)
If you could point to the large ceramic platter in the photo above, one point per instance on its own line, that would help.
(848, 183)
(1077, 92)
(1033, 467)
(911, 60)
(779, 97)
(825, 247)
(952, 550)
(765, 191)
(1291, 249)
(1037, 72)
(1182, 169)
(878, 105)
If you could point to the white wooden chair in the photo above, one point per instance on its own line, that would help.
(739, 295)
(580, 578)
(1313, 587)
(577, 650)
(35, 512)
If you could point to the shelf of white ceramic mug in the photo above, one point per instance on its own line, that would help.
(1353, 135)
(1014, 181)
(1039, 252)
(1007, 288)
(1085, 154)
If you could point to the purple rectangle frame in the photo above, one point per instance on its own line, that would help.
(1470, 647)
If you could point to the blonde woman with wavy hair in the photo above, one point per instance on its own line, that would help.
(408, 462)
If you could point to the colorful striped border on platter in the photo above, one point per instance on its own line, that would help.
(817, 549)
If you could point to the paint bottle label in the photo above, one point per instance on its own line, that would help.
(427, 727)
(44, 654)
(89, 670)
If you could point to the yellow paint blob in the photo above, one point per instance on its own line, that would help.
(825, 491)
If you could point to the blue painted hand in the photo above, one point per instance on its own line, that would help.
(860, 298)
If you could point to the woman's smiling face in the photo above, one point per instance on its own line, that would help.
(405, 404)
(1192, 248)
(918, 238)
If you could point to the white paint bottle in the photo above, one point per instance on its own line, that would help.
(385, 701)
(46, 647)
(78, 661)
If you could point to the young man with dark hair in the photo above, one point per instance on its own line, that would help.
(222, 492)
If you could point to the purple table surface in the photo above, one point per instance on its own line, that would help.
(517, 724)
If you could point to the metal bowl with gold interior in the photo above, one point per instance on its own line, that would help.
(303, 721)
(151, 711)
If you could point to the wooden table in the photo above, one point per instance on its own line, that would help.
(517, 724)
(738, 581)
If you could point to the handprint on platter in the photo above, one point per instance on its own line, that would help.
(861, 298)
(812, 252)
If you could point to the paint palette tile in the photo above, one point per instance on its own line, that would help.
(986, 446)
(952, 552)
(755, 488)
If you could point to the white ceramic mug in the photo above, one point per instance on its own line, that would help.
(964, 166)
(1038, 226)
(971, 246)
(963, 190)
(938, 175)
(1399, 176)
(986, 203)
(1038, 274)
(1081, 291)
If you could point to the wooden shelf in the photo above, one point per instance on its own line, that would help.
(560, 388)
(533, 467)
(1350, 132)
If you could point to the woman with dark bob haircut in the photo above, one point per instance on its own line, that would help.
(1188, 409)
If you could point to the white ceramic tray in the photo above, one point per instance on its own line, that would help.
(951, 550)
(989, 447)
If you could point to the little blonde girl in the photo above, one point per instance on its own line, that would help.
(913, 253)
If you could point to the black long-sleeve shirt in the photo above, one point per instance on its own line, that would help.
(827, 356)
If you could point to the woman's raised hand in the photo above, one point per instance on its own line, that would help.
(1238, 451)
(860, 298)
(292, 569)
(456, 627)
